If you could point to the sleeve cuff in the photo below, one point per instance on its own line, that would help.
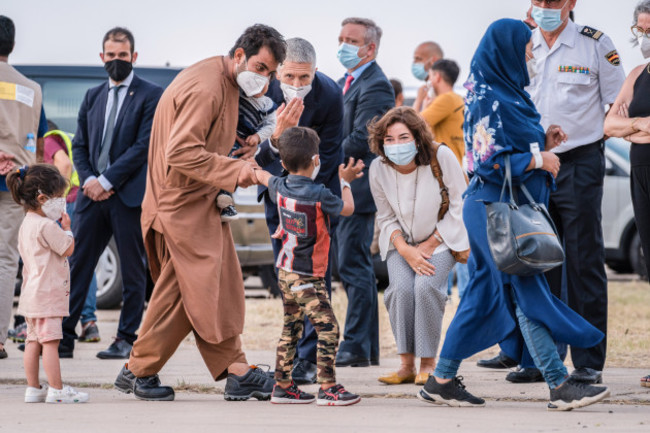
(88, 179)
(105, 183)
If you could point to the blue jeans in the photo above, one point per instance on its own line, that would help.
(90, 306)
(540, 345)
(462, 278)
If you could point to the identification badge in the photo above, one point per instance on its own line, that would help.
(294, 223)
(16, 92)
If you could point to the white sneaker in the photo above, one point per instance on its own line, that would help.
(65, 395)
(35, 395)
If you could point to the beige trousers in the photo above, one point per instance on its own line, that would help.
(11, 216)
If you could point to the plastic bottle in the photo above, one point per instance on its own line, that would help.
(31, 143)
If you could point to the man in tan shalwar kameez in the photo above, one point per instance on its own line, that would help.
(199, 285)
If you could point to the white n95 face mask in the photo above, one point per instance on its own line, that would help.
(251, 83)
(644, 43)
(53, 208)
(291, 92)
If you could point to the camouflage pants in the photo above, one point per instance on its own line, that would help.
(306, 296)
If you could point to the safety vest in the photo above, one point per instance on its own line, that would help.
(67, 139)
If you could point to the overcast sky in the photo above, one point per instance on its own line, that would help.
(183, 32)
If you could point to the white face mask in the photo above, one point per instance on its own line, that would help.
(314, 173)
(291, 92)
(644, 43)
(531, 65)
(251, 83)
(53, 208)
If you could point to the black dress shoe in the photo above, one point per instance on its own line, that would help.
(304, 372)
(374, 362)
(348, 359)
(525, 375)
(499, 362)
(125, 381)
(119, 349)
(148, 388)
(587, 375)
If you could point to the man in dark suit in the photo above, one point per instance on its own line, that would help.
(323, 112)
(110, 154)
(367, 94)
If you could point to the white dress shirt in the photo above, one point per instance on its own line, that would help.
(576, 79)
(121, 95)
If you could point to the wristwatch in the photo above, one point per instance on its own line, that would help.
(345, 183)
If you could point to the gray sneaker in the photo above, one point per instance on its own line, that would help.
(89, 333)
(574, 394)
(451, 393)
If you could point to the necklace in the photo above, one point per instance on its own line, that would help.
(399, 207)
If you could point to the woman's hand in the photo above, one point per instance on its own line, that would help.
(416, 261)
(551, 163)
(427, 247)
(554, 137)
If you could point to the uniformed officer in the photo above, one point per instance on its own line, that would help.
(579, 73)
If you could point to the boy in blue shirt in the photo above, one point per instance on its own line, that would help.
(305, 209)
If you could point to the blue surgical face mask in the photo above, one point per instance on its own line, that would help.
(419, 71)
(401, 154)
(548, 19)
(348, 55)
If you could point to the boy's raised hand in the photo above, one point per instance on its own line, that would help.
(352, 170)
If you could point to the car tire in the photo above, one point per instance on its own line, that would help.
(637, 258)
(109, 278)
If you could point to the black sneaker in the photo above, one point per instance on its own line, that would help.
(574, 394)
(256, 383)
(336, 396)
(290, 395)
(229, 213)
(451, 393)
(304, 372)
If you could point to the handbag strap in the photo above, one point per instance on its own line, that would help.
(437, 173)
(508, 181)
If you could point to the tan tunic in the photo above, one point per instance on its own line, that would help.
(193, 130)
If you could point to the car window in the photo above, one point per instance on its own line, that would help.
(619, 146)
(62, 98)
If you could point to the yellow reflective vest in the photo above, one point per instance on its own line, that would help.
(67, 139)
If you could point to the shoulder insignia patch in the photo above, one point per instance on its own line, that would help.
(591, 32)
(613, 58)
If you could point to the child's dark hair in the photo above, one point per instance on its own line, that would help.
(297, 146)
(26, 183)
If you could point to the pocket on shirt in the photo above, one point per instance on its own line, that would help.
(573, 79)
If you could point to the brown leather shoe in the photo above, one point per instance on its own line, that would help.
(422, 378)
(396, 379)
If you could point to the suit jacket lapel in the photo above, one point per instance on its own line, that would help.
(130, 95)
(354, 87)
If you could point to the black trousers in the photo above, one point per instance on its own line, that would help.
(640, 188)
(576, 210)
(93, 228)
(361, 333)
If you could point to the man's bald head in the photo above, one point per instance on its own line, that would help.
(425, 55)
(430, 49)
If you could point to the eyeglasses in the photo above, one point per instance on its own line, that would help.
(638, 32)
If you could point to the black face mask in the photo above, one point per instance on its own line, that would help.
(118, 70)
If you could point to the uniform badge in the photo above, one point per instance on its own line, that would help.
(591, 32)
(574, 69)
(613, 58)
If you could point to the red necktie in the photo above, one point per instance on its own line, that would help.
(348, 82)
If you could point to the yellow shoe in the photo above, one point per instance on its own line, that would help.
(396, 379)
(422, 378)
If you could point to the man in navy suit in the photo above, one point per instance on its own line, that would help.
(323, 112)
(367, 94)
(110, 154)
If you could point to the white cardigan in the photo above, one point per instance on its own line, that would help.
(386, 183)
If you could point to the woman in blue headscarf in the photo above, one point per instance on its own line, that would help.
(519, 313)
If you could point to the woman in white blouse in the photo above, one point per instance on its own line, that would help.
(416, 246)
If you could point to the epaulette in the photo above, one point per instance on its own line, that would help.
(591, 32)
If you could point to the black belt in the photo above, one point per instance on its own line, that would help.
(573, 154)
